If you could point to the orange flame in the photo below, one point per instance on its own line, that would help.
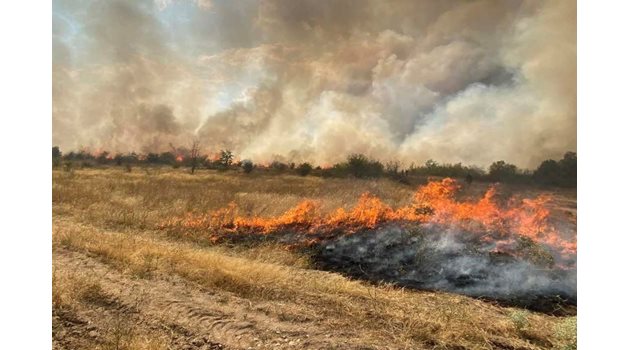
(432, 203)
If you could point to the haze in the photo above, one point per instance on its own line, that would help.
(454, 81)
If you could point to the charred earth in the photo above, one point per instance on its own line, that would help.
(431, 257)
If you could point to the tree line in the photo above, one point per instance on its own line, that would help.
(561, 172)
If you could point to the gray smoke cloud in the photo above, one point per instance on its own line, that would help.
(455, 81)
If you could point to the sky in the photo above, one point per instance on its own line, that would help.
(316, 80)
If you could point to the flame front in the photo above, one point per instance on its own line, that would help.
(434, 203)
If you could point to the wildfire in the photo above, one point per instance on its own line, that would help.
(434, 203)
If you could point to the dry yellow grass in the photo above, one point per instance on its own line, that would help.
(74, 292)
(138, 200)
(112, 215)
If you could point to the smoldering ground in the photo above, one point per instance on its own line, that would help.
(470, 81)
(431, 257)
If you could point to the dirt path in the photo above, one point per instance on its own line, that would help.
(179, 314)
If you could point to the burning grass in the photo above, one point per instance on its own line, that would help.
(507, 250)
(241, 234)
(434, 203)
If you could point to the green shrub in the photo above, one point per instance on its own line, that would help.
(558, 173)
(304, 169)
(520, 320)
(247, 166)
(278, 166)
(360, 166)
(56, 156)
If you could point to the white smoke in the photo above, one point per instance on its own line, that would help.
(470, 81)
(439, 258)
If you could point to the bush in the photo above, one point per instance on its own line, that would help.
(153, 158)
(118, 159)
(548, 173)
(103, 158)
(278, 166)
(56, 156)
(392, 168)
(167, 158)
(558, 173)
(433, 168)
(394, 171)
(502, 171)
(247, 166)
(304, 169)
(226, 158)
(568, 169)
(360, 166)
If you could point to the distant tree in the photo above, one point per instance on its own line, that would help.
(167, 158)
(118, 159)
(502, 171)
(132, 158)
(568, 169)
(194, 156)
(548, 173)
(558, 173)
(431, 164)
(469, 179)
(392, 168)
(278, 166)
(360, 166)
(56, 153)
(433, 168)
(304, 169)
(225, 159)
(153, 158)
(103, 157)
(70, 156)
(247, 165)
(56, 156)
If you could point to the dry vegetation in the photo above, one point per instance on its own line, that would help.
(120, 283)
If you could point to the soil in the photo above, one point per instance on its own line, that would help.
(180, 314)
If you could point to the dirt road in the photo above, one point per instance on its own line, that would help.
(179, 314)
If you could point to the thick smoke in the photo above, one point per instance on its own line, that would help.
(469, 81)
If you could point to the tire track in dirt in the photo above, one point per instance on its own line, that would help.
(201, 319)
(217, 324)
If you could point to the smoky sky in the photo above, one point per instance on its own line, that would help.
(315, 80)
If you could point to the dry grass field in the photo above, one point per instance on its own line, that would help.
(119, 282)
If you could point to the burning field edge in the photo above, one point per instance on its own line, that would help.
(508, 250)
(266, 238)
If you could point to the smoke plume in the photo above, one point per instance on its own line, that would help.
(315, 80)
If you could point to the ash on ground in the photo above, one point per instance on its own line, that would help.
(434, 258)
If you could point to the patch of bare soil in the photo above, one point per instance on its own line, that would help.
(176, 313)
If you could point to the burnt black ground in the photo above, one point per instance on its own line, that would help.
(437, 258)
